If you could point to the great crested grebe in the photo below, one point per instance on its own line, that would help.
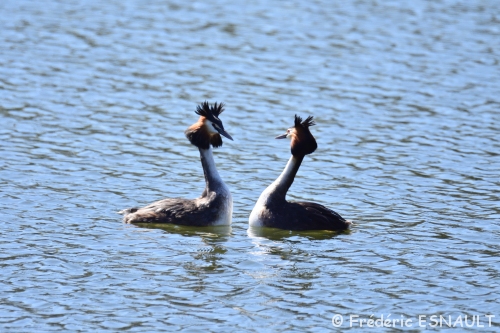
(272, 209)
(215, 206)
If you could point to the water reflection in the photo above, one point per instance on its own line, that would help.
(205, 255)
(282, 235)
(211, 233)
(289, 245)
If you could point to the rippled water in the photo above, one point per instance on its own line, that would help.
(94, 99)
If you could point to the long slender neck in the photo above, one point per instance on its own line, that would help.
(280, 186)
(212, 177)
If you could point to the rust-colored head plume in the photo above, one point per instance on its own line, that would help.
(209, 128)
(302, 141)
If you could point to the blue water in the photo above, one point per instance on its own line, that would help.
(95, 97)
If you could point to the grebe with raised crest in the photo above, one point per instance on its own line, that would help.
(273, 210)
(215, 205)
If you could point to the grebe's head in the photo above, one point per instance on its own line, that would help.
(208, 129)
(302, 141)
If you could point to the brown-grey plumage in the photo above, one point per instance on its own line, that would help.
(215, 205)
(273, 210)
(178, 211)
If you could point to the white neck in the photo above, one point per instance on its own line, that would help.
(215, 185)
(212, 176)
(275, 194)
(278, 189)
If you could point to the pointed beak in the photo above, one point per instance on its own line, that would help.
(282, 136)
(224, 133)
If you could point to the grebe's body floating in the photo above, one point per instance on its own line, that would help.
(215, 206)
(273, 210)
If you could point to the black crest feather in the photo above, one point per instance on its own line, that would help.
(210, 112)
(306, 123)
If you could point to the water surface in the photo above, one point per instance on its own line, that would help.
(94, 99)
